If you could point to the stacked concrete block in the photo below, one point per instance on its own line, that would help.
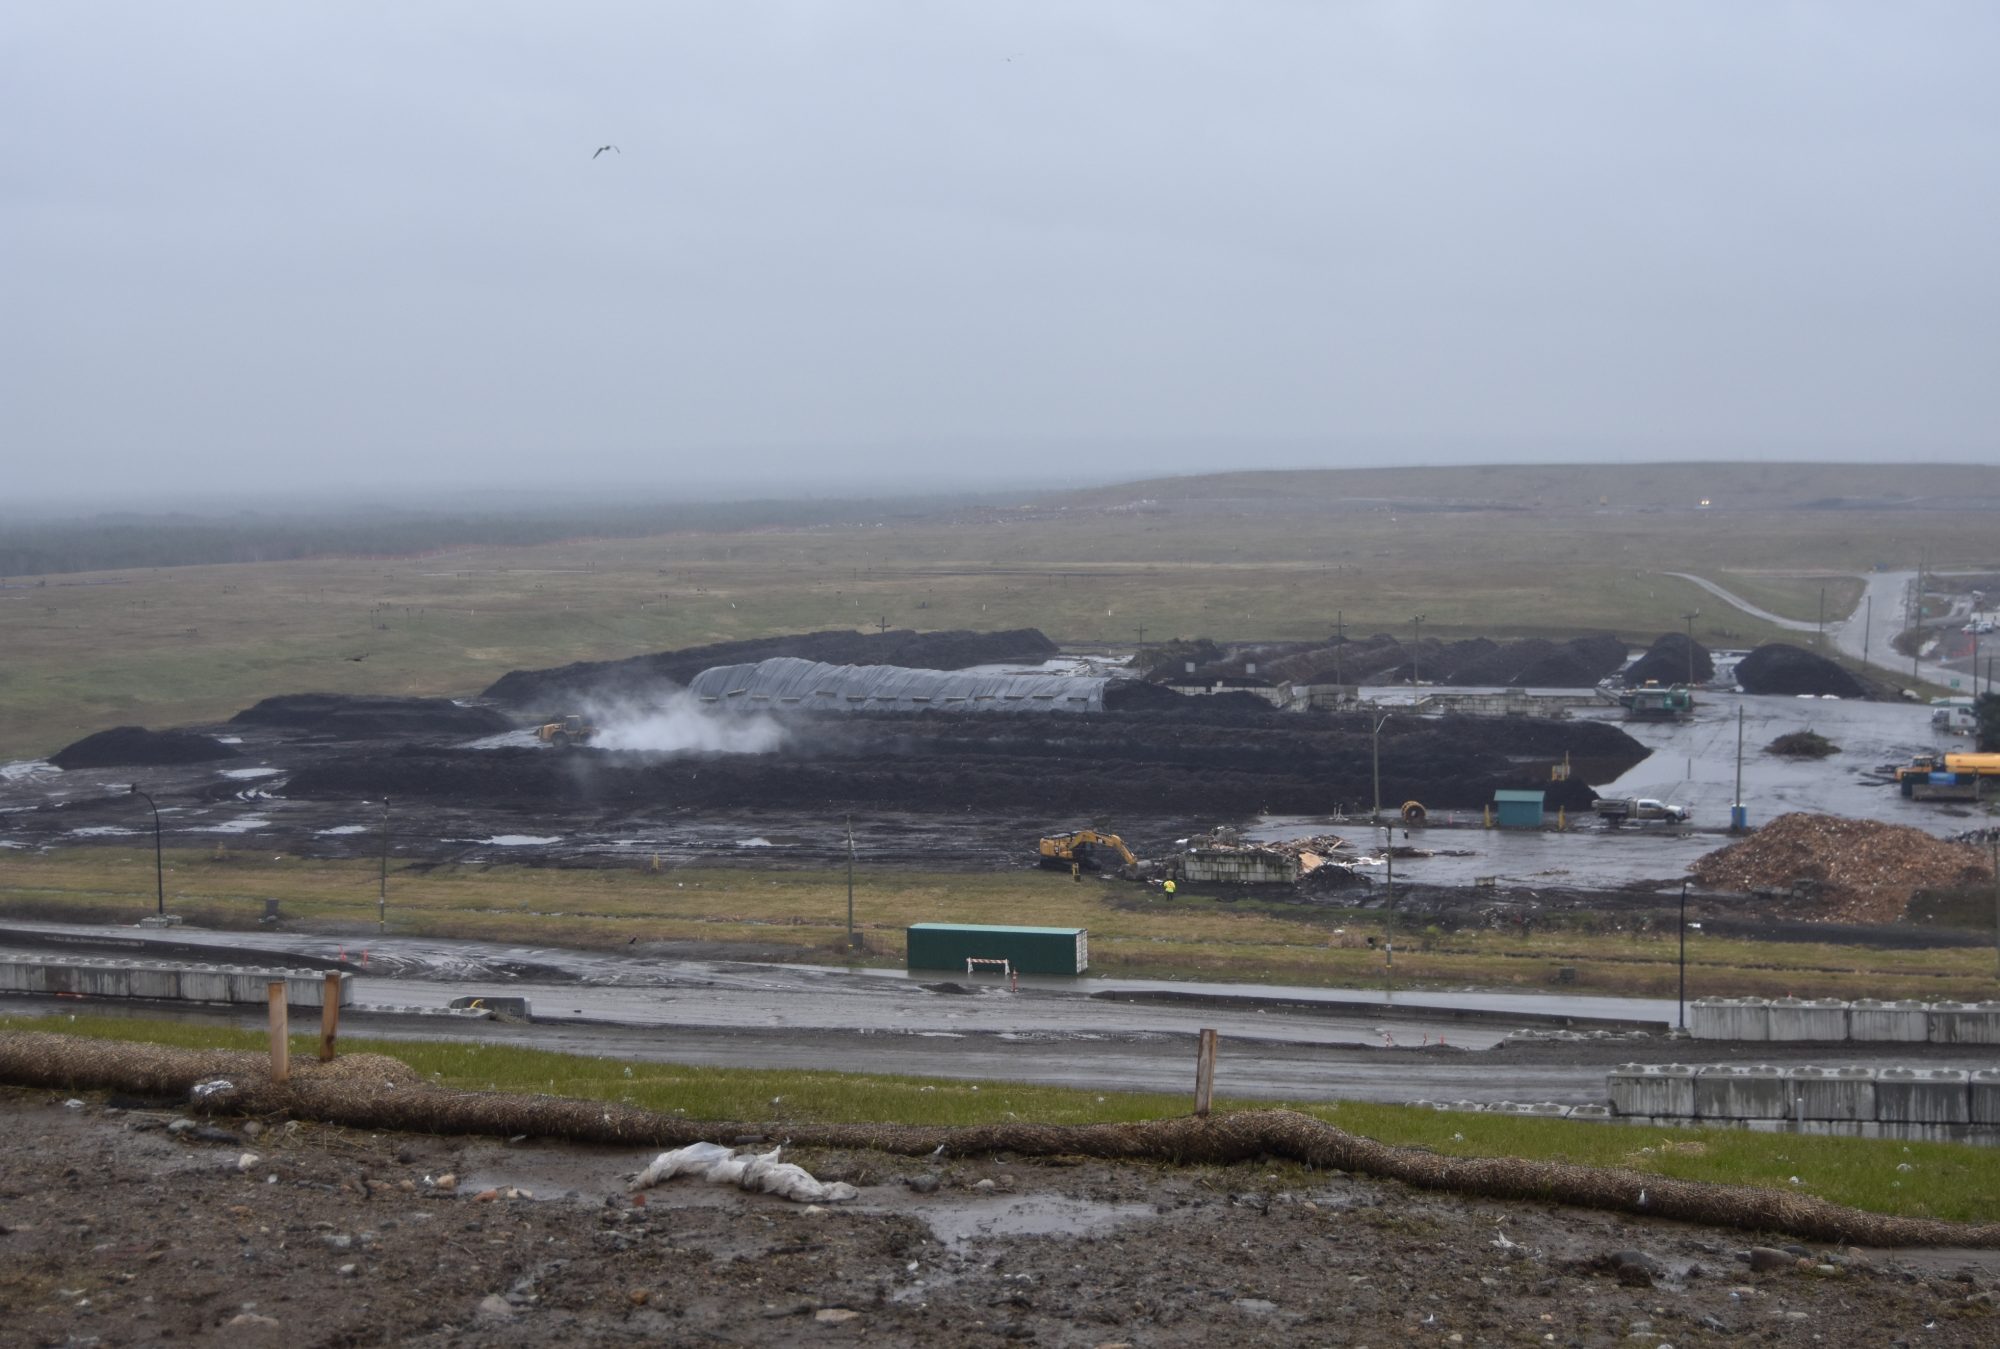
(163, 981)
(152, 979)
(1742, 1093)
(1983, 1096)
(1653, 1089)
(204, 983)
(1731, 1019)
(1870, 1019)
(1962, 1023)
(1833, 1093)
(1817, 1019)
(1922, 1096)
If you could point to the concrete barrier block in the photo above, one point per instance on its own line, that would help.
(1963, 1023)
(1873, 1020)
(1983, 1095)
(1590, 1112)
(153, 980)
(1652, 1089)
(1732, 1093)
(1826, 1094)
(1815, 1019)
(1922, 1096)
(1730, 1019)
(204, 983)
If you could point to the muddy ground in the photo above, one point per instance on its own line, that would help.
(115, 1232)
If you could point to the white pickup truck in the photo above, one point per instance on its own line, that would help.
(1616, 810)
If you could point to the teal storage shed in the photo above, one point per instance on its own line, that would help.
(1029, 950)
(1518, 810)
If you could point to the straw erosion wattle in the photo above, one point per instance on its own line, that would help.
(1856, 871)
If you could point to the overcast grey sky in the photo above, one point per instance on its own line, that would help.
(257, 245)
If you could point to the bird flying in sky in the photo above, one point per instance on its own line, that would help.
(612, 148)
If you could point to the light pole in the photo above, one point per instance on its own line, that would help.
(382, 894)
(1416, 642)
(1689, 619)
(1375, 741)
(850, 883)
(159, 869)
(1738, 818)
(1683, 1021)
(1867, 625)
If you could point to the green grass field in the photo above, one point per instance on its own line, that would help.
(180, 645)
(803, 914)
(1943, 1180)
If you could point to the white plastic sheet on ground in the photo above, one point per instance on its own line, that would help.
(759, 1172)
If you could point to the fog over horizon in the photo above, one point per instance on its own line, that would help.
(257, 252)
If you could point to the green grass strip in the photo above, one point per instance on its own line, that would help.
(1942, 1180)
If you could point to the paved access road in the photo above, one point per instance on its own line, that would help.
(1075, 1033)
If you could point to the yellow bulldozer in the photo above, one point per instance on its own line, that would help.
(1080, 851)
(570, 731)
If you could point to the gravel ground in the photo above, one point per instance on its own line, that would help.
(113, 1230)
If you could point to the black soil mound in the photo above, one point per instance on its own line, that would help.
(344, 716)
(566, 685)
(1578, 663)
(137, 747)
(1208, 760)
(1783, 669)
(1666, 662)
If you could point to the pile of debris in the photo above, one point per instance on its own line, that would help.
(1223, 854)
(1842, 870)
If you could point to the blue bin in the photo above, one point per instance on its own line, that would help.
(1739, 817)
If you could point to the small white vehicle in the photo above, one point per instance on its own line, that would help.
(1616, 810)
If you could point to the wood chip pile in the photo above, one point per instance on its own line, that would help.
(1858, 871)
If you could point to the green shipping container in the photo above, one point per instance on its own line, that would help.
(1029, 950)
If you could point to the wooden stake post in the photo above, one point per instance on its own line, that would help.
(1204, 1073)
(281, 1061)
(329, 1015)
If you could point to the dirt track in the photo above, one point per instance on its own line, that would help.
(115, 1233)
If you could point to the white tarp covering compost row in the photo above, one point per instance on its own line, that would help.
(788, 682)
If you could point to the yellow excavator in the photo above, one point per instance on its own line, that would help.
(1080, 849)
(571, 730)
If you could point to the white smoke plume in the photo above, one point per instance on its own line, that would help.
(680, 723)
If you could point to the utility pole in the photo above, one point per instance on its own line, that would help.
(382, 895)
(1683, 1023)
(1416, 641)
(1389, 930)
(1339, 645)
(850, 883)
(1867, 627)
(1689, 619)
(1375, 738)
(1737, 816)
(1142, 634)
(1996, 897)
(1819, 638)
(159, 866)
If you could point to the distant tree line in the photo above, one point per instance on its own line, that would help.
(119, 542)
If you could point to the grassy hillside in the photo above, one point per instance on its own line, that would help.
(177, 645)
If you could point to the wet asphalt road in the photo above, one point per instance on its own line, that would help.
(1050, 1032)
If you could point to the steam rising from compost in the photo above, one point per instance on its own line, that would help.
(680, 723)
